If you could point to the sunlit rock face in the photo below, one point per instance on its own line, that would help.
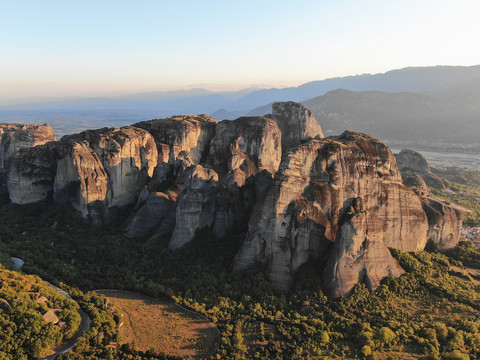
(339, 202)
(445, 220)
(104, 168)
(416, 171)
(296, 123)
(14, 137)
(299, 218)
(185, 137)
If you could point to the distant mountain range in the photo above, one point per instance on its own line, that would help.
(440, 103)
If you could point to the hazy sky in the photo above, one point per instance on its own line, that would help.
(62, 48)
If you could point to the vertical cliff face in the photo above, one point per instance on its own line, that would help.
(416, 171)
(14, 137)
(296, 123)
(339, 202)
(248, 144)
(184, 137)
(80, 177)
(240, 150)
(357, 256)
(31, 174)
(314, 190)
(444, 220)
(104, 168)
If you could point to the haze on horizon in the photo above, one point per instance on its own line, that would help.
(60, 49)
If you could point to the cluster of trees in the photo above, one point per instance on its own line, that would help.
(24, 299)
(428, 313)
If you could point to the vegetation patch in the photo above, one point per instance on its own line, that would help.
(34, 318)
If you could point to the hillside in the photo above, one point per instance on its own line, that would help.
(401, 116)
(33, 317)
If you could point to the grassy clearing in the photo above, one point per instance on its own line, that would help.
(162, 326)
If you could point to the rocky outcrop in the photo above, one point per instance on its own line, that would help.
(357, 256)
(444, 221)
(31, 174)
(299, 218)
(245, 146)
(14, 137)
(296, 123)
(184, 137)
(94, 170)
(151, 214)
(193, 209)
(338, 202)
(416, 171)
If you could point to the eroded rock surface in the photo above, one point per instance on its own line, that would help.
(445, 222)
(416, 171)
(315, 188)
(94, 170)
(187, 137)
(296, 123)
(357, 257)
(339, 202)
(14, 137)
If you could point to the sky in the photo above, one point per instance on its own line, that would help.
(53, 48)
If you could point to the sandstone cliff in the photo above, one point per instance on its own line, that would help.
(444, 220)
(186, 137)
(296, 123)
(14, 137)
(416, 171)
(339, 202)
(94, 170)
(318, 183)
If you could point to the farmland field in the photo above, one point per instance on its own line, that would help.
(162, 326)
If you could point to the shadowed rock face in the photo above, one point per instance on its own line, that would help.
(314, 190)
(339, 202)
(245, 146)
(14, 137)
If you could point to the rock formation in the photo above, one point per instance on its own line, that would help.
(444, 220)
(186, 137)
(244, 147)
(296, 123)
(416, 171)
(94, 170)
(317, 186)
(339, 201)
(14, 137)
